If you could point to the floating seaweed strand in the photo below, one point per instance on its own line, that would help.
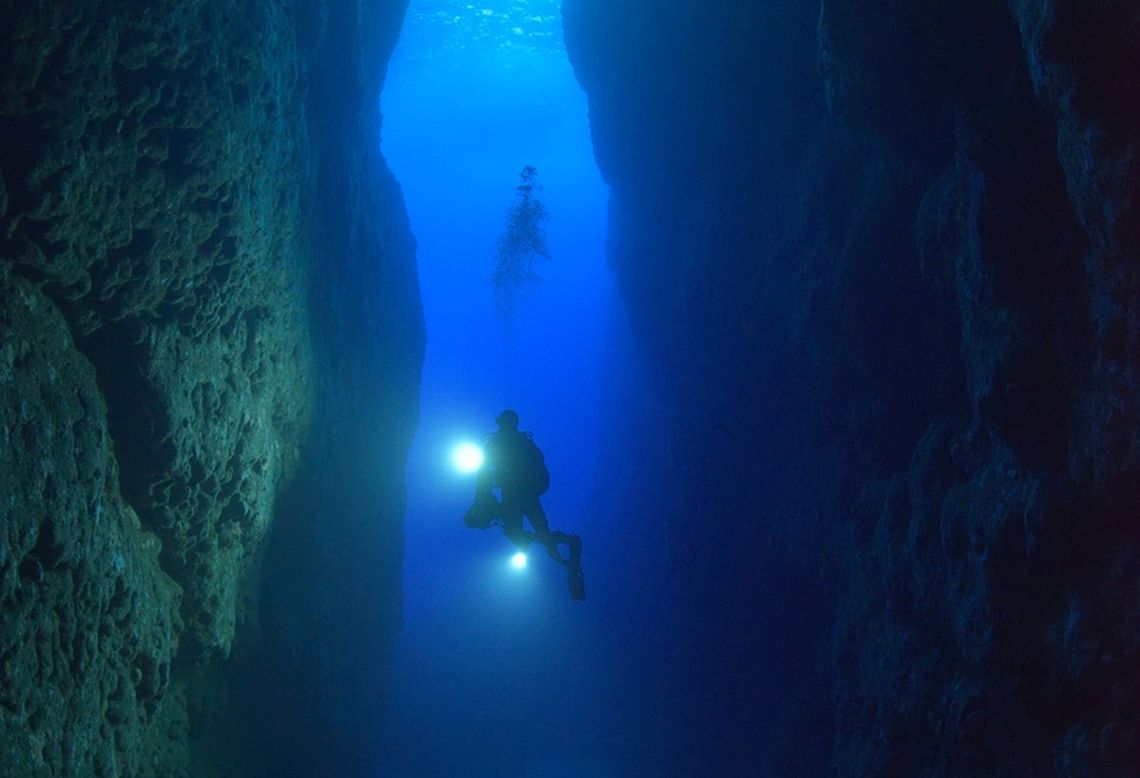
(521, 244)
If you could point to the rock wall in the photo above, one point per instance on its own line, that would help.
(883, 257)
(198, 238)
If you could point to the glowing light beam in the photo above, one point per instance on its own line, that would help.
(518, 561)
(467, 457)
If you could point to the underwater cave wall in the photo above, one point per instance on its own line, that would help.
(883, 259)
(315, 684)
(209, 316)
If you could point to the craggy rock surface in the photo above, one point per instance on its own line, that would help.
(91, 620)
(174, 304)
(884, 259)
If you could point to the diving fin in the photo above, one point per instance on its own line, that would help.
(577, 585)
(577, 582)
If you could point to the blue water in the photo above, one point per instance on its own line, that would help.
(497, 672)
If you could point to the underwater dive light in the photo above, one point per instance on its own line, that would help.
(518, 561)
(467, 457)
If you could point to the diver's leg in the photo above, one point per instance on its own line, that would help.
(573, 560)
(519, 537)
(573, 545)
(537, 517)
(512, 516)
(553, 538)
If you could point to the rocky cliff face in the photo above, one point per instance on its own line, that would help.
(884, 259)
(208, 302)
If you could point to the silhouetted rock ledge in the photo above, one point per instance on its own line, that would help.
(207, 302)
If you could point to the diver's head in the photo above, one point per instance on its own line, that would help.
(508, 420)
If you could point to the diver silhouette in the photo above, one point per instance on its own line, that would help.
(514, 464)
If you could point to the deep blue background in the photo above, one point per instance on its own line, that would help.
(498, 672)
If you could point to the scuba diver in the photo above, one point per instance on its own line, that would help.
(515, 465)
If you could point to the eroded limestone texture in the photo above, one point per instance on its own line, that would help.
(162, 303)
(91, 622)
